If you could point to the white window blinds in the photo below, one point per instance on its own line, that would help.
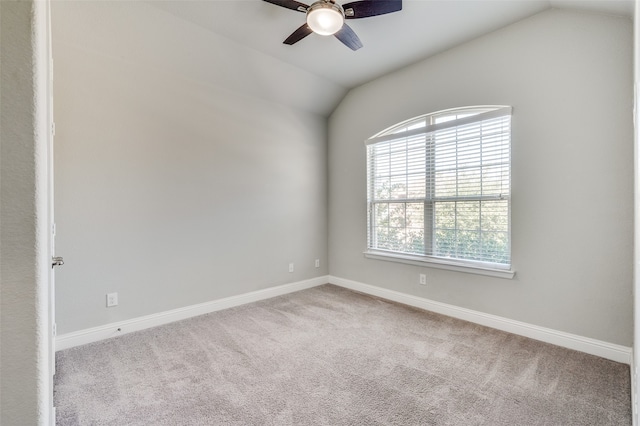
(439, 186)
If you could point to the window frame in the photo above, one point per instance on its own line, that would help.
(429, 127)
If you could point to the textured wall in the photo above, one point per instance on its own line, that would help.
(24, 334)
(172, 187)
(636, 258)
(568, 76)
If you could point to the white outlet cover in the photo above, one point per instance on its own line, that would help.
(112, 299)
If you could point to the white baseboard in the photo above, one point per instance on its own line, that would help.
(634, 393)
(82, 337)
(599, 348)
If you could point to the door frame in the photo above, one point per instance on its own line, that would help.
(25, 260)
(50, 290)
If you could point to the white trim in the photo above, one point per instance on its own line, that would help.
(599, 348)
(82, 337)
(634, 393)
(431, 262)
(500, 111)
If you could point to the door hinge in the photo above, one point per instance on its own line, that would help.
(53, 128)
(53, 229)
(55, 329)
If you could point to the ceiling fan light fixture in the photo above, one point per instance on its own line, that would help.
(325, 17)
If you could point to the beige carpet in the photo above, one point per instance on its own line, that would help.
(329, 356)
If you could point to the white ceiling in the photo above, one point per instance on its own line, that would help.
(423, 28)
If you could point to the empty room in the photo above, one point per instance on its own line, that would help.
(419, 214)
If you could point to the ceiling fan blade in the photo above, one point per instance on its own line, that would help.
(347, 36)
(298, 34)
(290, 4)
(367, 8)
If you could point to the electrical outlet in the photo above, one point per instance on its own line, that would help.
(317, 263)
(291, 267)
(112, 299)
(423, 279)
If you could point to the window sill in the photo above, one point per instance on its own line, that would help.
(439, 263)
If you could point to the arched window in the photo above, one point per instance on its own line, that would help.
(439, 188)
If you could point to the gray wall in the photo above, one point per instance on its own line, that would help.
(25, 378)
(182, 177)
(176, 186)
(569, 78)
(636, 233)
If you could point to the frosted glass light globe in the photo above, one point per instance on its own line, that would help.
(325, 18)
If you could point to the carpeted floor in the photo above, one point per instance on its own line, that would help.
(329, 356)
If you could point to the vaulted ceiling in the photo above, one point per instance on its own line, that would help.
(236, 45)
(423, 28)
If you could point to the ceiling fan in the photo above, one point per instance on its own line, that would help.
(326, 17)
